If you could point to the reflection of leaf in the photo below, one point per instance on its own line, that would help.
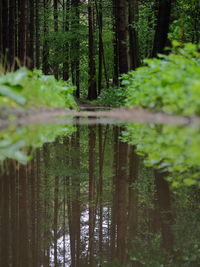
(8, 149)
(18, 76)
(6, 91)
(14, 142)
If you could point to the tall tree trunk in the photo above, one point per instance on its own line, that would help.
(23, 31)
(100, 24)
(55, 15)
(133, 37)
(30, 52)
(46, 67)
(37, 34)
(11, 34)
(1, 30)
(75, 45)
(122, 34)
(92, 87)
(66, 11)
(162, 27)
(5, 28)
(115, 46)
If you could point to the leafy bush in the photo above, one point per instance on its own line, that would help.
(28, 88)
(112, 97)
(170, 83)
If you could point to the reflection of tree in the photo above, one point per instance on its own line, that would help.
(89, 200)
(165, 211)
(122, 194)
(91, 172)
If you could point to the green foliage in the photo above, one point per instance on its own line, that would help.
(112, 97)
(34, 89)
(18, 143)
(170, 84)
(171, 149)
(145, 27)
(185, 25)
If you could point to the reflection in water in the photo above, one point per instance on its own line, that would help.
(89, 200)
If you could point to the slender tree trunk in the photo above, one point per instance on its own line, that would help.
(92, 87)
(46, 67)
(133, 37)
(5, 28)
(1, 30)
(66, 11)
(55, 15)
(122, 34)
(31, 34)
(37, 34)
(100, 24)
(23, 31)
(11, 34)
(75, 45)
(162, 27)
(115, 46)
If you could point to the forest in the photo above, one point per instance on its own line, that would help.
(92, 43)
(99, 133)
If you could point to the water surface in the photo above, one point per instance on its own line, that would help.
(89, 200)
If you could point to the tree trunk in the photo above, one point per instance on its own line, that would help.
(133, 37)
(115, 46)
(92, 88)
(122, 34)
(5, 27)
(11, 34)
(37, 34)
(55, 15)
(66, 11)
(46, 67)
(31, 34)
(162, 27)
(75, 45)
(22, 31)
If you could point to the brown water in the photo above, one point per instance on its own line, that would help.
(89, 200)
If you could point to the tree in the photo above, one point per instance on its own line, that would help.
(92, 86)
(162, 27)
(22, 34)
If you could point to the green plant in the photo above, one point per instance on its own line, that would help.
(170, 83)
(114, 97)
(34, 89)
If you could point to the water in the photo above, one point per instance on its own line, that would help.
(89, 200)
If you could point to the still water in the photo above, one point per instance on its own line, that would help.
(89, 200)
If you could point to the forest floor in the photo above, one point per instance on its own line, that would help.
(89, 113)
(84, 105)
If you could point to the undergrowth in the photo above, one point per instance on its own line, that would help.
(33, 89)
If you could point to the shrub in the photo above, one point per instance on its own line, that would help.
(168, 83)
(34, 89)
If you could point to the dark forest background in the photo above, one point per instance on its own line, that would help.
(92, 42)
